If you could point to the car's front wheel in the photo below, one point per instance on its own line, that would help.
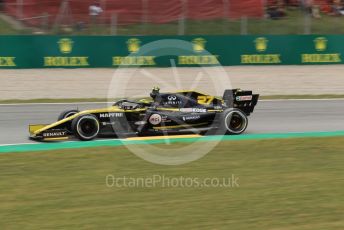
(66, 114)
(86, 127)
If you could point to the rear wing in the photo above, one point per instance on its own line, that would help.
(244, 100)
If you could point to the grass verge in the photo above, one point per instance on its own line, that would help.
(283, 184)
(76, 100)
(6, 28)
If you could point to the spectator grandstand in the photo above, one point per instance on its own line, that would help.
(208, 16)
(134, 11)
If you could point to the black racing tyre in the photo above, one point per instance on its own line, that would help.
(67, 113)
(233, 121)
(85, 127)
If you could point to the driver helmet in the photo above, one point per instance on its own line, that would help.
(155, 92)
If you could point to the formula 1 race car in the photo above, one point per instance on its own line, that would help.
(178, 112)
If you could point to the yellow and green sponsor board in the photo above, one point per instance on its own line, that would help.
(151, 51)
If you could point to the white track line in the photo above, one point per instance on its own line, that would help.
(85, 103)
(35, 143)
(310, 99)
(55, 103)
(28, 143)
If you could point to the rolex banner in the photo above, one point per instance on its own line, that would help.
(161, 51)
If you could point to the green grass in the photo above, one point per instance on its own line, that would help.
(283, 184)
(6, 28)
(75, 100)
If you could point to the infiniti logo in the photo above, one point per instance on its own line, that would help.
(172, 98)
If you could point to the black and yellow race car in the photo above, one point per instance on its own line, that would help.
(178, 112)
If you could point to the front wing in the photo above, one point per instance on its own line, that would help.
(47, 135)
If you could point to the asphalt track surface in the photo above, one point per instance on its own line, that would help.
(279, 116)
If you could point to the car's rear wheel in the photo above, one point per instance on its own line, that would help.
(66, 114)
(234, 121)
(86, 127)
